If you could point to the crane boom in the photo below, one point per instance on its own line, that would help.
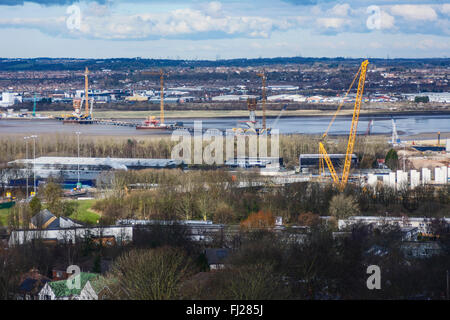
(352, 136)
(86, 88)
(264, 98)
(161, 80)
(324, 155)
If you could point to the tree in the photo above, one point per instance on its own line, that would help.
(154, 274)
(342, 206)
(250, 282)
(391, 159)
(308, 219)
(68, 208)
(35, 205)
(261, 219)
(52, 195)
(423, 99)
(223, 213)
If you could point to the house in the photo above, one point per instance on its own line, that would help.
(97, 289)
(47, 220)
(59, 275)
(59, 290)
(216, 257)
(30, 285)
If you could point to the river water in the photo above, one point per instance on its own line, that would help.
(406, 125)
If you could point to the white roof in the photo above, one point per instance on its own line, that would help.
(117, 163)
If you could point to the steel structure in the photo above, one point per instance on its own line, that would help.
(264, 98)
(161, 79)
(352, 136)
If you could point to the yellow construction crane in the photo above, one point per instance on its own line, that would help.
(86, 94)
(263, 78)
(352, 136)
(161, 79)
(78, 103)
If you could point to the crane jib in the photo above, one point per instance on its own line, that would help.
(352, 135)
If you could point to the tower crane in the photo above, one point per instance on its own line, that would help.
(341, 183)
(86, 93)
(77, 114)
(34, 105)
(263, 79)
(161, 79)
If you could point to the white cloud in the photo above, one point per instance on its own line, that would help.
(386, 20)
(332, 23)
(414, 12)
(152, 25)
(214, 9)
(445, 8)
(340, 10)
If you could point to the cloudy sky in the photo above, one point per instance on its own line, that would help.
(198, 29)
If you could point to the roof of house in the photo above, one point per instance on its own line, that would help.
(32, 282)
(60, 288)
(47, 220)
(100, 283)
(43, 218)
(32, 286)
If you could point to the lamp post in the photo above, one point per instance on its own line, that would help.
(78, 173)
(34, 163)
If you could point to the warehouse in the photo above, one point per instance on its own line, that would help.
(86, 170)
(312, 160)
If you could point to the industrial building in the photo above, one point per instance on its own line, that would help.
(312, 160)
(108, 235)
(255, 162)
(9, 99)
(422, 224)
(87, 170)
(125, 231)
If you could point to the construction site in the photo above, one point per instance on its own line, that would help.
(416, 155)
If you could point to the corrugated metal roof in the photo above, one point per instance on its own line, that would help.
(111, 162)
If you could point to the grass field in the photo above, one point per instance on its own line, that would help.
(4, 216)
(83, 214)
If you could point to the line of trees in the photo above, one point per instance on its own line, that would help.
(291, 146)
(217, 195)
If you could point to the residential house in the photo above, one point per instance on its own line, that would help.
(47, 220)
(30, 285)
(60, 290)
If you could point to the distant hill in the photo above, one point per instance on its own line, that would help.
(41, 64)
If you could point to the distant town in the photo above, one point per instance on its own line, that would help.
(55, 82)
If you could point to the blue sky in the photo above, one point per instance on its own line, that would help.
(224, 29)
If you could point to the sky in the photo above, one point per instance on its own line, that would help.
(225, 29)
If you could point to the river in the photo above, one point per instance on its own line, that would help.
(406, 125)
